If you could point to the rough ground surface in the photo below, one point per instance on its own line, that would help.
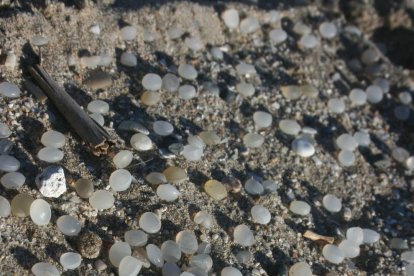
(377, 189)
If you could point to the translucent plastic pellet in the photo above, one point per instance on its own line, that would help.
(163, 128)
(170, 269)
(102, 199)
(398, 243)
(152, 82)
(290, 127)
(128, 59)
(277, 36)
(20, 205)
(141, 142)
(194, 43)
(370, 236)
(40, 212)
(154, 255)
(5, 208)
(308, 41)
(291, 92)
(301, 29)
(156, 178)
(336, 105)
(84, 188)
(346, 142)
(210, 138)
(167, 192)
(4, 130)
(328, 30)
(362, 138)
(300, 269)
(5, 146)
(128, 33)
(309, 91)
(349, 248)
(187, 71)
(217, 53)
(9, 90)
(150, 222)
(303, 147)
(196, 141)
(374, 94)
(355, 235)
(187, 242)
(405, 97)
(245, 89)
(249, 25)
(215, 189)
(230, 271)
(204, 248)
(175, 32)
(118, 251)
(170, 251)
(9, 163)
(122, 159)
(53, 139)
(400, 154)
(370, 56)
(402, 112)
(202, 261)
(260, 214)
(243, 235)
(186, 92)
(253, 140)
(136, 237)
(245, 69)
(262, 119)
(68, 225)
(332, 203)
(150, 98)
(175, 175)
(149, 35)
(333, 254)
(408, 256)
(192, 153)
(70, 260)
(39, 40)
(299, 207)
(120, 180)
(129, 266)
(42, 269)
(253, 187)
(98, 118)
(204, 219)
(269, 186)
(50, 155)
(358, 96)
(170, 82)
(231, 18)
(346, 158)
(98, 106)
(13, 180)
(243, 257)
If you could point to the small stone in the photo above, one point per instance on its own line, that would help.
(355, 235)
(129, 266)
(231, 18)
(328, 30)
(98, 106)
(167, 192)
(170, 251)
(374, 94)
(128, 33)
(187, 242)
(120, 180)
(98, 80)
(9, 90)
(290, 127)
(70, 260)
(210, 138)
(95, 29)
(50, 155)
(349, 248)
(4, 130)
(123, 159)
(100, 265)
(277, 36)
(303, 147)
(136, 237)
(152, 82)
(118, 251)
(5, 208)
(150, 222)
(20, 205)
(13, 180)
(68, 225)
(51, 182)
(300, 269)
(175, 175)
(150, 98)
(128, 59)
(102, 200)
(346, 158)
(332, 203)
(186, 92)
(170, 82)
(291, 92)
(156, 178)
(40, 212)
(370, 236)
(253, 187)
(260, 214)
(358, 96)
(9, 163)
(42, 269)
(397, 243)
(175, 32)
(309, 91)
(243, 235)
(333, 254)
(141, 142)
(53, 139)
(243, 256)
(300, 208)
(232, 184)
(163, 128)
(11, 60)
(204, 219)
(336, 105)
(215, 189)
(187, 71)
(154, 255)
(249, 25)
(245, 89)
(253, 140)
(84, 188)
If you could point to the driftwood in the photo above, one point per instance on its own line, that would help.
(89, 130)
(318, 238)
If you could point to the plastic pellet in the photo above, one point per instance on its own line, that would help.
(84, 188)
(328, 30)
(150, 222)
(336, 105)
(308, 41)
(186, 92)
(231, 18)
(333, 254)
(42, 269)
(300, 208)
(349, 248)
(122, 159)
(291, 92)
(120, 180)
(136, 237)
(70, 260)
(50, 155)
(262, 119)
(20, 205)
(98, 106)
(277, 36)
(5, 208)
(355, 235)
(210, 138)
(230, 271)
(194, 43)
(152, 82)
(170, 251)
(362, 138)
(346, 142)
(249, 25)
(175, 175)
(53, 139)
(245, 89)
(243, 235)
(300, 269)
(303, 147)
(156, 178)
(68, 225)
(163, 128)
(253, 140)
(150, 98)
(187, 71)
(128, 59)
(12, 180)
(128, 33)
(167, 192)
(102, 199)
(332, 203)
(40, 212)
(260, 214)
(154, 255)
(9, 163)
(245, 69)
(98, 118)
(4, 130)
(346, 158)
(141, 142)
(202, 261)
(187, 242)
(358, 96)
(374, 94)
(370, 236)
(118, 251)
(253, 187)
(215, 189)
(290, 127)
(9, 90)
(204, 219)
(170, 82)
(129, 266)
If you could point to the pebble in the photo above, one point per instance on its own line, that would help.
(408, 256)
(303, 147)
(308, 41)
(253, 187)
(167, 192)
(123, 159)
(202, 261)
(291, 92)
(175, 32)
(355, 235)
(243, 256)
(243, 235)
(9, 163)
(118, 251)
(98, 106)
(53, 139)
(20, 205)
(5, 147)
(129, 266)
(245, 89)
(210, 138)
(128, 33)
(253, 140)
(346, 142)
(186, 92)
(187, 242)
(187, 71)
(175, 175)
(232, 184)
(332, 203)
(402, 112)
(300, 269)
(245, 69)
(13, 180)
(89, 245)
(358, 96)
(170, 82)
(102, 199)
(397, 243)
(68, 225)
(133, 126)
(299, 207)
(150, 222)
(50, 155)
(120, 180)
(5, 208)
(328, 30)
(100, 265)
(277, 36)
(370, 236)
(149, 35)
(70, 260)
(156, 178)
(262, 119)
(4, 130)
(99, 80)
(260, 214)
(374, 94)
(51, 182)
(141, 142)
(249, 25)
(362, 138)
(170, 251)
(230, 271)
(136, 237)
(152, 82)
(42, 269)
(150, 98)
(9, 90)
(309, 91)
(204, 219)
(346, 158)
(84, 188)
(349, 248)
(333, 254)
(163, 128)
(128, 59)
(215, 189)
(39, 40)
(154, 255)
(290, 127)
(336, 105)
(40, 212)
(231, 18)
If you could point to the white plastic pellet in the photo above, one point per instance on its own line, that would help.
(152, 82)
(42, 269)
(150, 222)
(355, 235)
(194, 43)
(186, 92)
(149, 35)
(333, 254)
(171, 252)
(187, 71)
(370, 236)
(269, 186)
(128, 59)
(346, 142)
(262, 119)
(40, 212)
(13, 180)
(408, 256)
(120, 180)
(245, 89)
(346, 158)
(204, 219)
(332, 203)
(122, 159)
(245, 69)
(136, 237)
(4, 131)
(170, 82)
(170, 269)
(98, 118)
(362, 138)
(154, 255)
(70, 260)
(50, 155)
(358, 96)
(118, 251)
(141, 142)
(230, 271)
(249, 25)
(243, 235)
(301, 29)
(308, 41)
(175, 32)
(196, 141)
(260, 214)
(349, 248)
(68, 225)
(303, 147)
(202, 261)
(328, 30)
(187, 242)
(9, 90)
(253, 140)
(129, 266)
(253, 187)
(163, 128)
(98, 106)
(277, 36)
(95, 29)
(128, 33)
(5, 208)
(192, 153)
(336, 105)
(53, 139)
(156, 178)
(167, 192)
(217, 53)
(231, 18)
(300, 269)
(400, 154)
(374, 94)
(405, 97)
(290, 127)
(370, 56)
(299, 207)
(102, 199)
